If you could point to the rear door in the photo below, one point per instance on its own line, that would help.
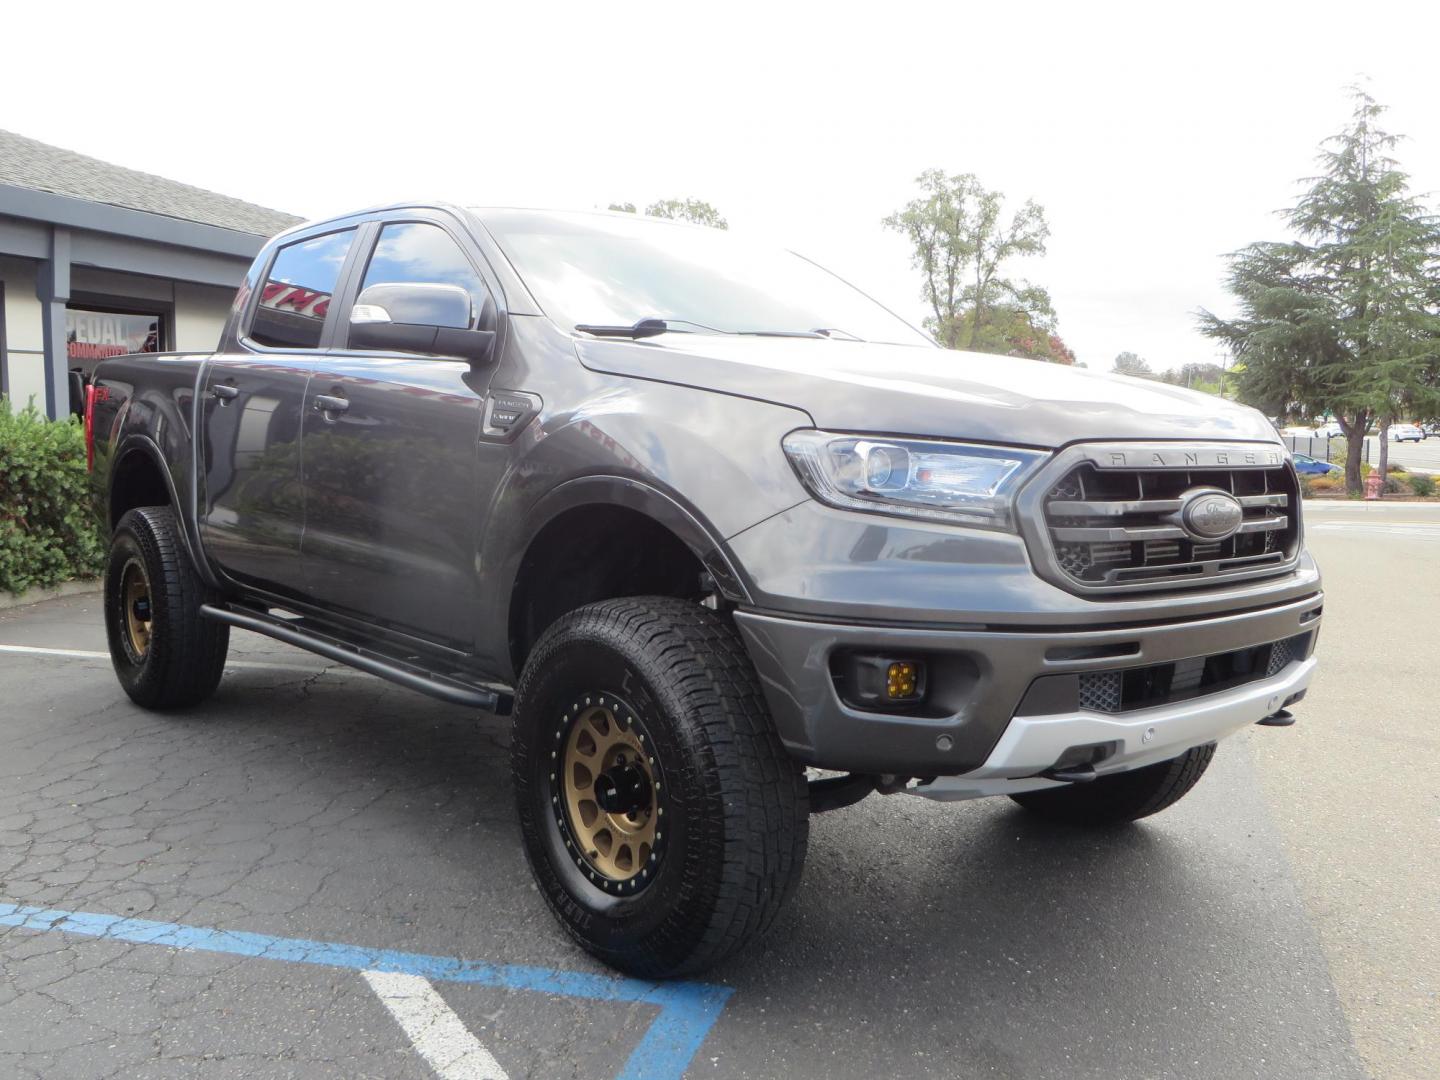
(390, 443)
(251, 507)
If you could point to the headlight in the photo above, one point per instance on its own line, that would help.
(937, 481)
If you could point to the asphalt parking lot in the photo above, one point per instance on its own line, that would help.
(318, 874)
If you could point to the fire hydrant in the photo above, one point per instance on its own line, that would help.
(1373, 483)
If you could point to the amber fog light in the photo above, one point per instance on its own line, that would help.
(870, 681)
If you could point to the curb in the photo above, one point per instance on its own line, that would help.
(36, 596)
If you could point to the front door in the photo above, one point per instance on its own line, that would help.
(390, 445)
(251, 507)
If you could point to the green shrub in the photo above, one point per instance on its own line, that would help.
(48, 531)
(1422, 485)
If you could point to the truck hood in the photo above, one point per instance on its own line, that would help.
(899, 389)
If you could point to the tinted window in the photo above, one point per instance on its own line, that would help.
(296, 295)
(617, 269)
(416, 253)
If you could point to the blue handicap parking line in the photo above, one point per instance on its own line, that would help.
(688, 1010)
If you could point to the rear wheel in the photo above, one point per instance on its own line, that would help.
(662, 818)
(165, 654)
(1122, 797)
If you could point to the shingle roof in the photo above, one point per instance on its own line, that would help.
(32, 164)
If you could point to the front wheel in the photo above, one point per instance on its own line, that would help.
(661, 816)
(165, 654)
(1122, 797)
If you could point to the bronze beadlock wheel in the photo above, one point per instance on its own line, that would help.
(606, 794)
(166, 654)
(135, 595)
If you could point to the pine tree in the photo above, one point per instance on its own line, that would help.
(1345, 318)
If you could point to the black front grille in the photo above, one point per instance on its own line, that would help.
(1117, 528)
(1161, 684)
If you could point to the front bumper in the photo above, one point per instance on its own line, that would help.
(984, 676)
(1143, 737)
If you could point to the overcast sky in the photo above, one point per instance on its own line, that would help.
(1156, 136)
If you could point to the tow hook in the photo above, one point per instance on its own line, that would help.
(1283, 718)
(1071, 774)
(836, 792)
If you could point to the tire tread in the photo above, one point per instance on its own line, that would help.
(187, 651)
(1123, 797)
(763, 793)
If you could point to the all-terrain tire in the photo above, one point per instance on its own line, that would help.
(731, 807)
(183, 654)
(1127, 796)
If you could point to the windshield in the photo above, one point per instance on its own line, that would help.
(614, 269)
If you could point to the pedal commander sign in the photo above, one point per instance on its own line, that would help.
(94, 335)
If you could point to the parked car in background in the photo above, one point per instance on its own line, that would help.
(1298, 433)
(1430, 431)
(1306, 465)
(1405, 433)
(1332, 430)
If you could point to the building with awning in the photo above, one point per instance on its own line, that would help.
(98, 260)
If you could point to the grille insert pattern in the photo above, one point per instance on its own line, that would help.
(1125, 689)
(1281, 653)
(1100, 691)
(1115, 528)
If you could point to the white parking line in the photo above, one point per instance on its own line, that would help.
(443, 1041)
(87, 654)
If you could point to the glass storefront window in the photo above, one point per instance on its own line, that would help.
(93, 335)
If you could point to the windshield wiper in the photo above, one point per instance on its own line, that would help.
(818, 332)
(641, 329)
(781, 333)
(648, 327)
(654, 326)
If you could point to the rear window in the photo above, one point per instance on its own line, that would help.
(295, 296)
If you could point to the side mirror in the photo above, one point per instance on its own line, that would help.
(413, 317)
(77, 392)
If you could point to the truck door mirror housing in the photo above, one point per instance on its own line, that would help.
(432, 319)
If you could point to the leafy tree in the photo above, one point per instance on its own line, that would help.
(695, 211)
(960, 245)
(1207, 378)
(1194, 375)
(1345, 318)
(1014, 331)
(1129, 363)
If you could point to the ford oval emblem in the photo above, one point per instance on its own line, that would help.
(1210, 514)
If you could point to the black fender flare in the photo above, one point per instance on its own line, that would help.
(646, 499)
(515, 539)
(142, 444)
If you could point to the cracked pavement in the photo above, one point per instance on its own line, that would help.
(925, 940)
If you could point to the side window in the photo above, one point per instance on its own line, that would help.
(296, 293)
(416, 253)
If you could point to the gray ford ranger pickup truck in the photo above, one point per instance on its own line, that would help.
(731, 542)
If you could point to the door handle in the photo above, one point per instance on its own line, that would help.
(328, 403)
(225, 392)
